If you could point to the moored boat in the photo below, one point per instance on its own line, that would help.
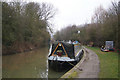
(62, 54)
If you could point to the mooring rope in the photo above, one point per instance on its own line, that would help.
(72, 64)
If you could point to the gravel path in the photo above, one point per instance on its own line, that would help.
(90, 66)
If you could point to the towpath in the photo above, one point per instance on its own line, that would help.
(88, 67)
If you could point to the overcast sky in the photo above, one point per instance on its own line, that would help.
(74, 11)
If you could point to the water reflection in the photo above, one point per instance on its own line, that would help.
(33, 64)
(25, 65)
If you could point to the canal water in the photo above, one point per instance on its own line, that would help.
(33, 64)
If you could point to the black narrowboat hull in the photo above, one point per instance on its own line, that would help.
(61, 65)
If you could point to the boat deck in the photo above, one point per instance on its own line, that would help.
(77, 48)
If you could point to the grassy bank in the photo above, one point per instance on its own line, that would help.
(108, 63)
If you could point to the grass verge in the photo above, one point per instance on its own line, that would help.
(73, 75)
(108, 63)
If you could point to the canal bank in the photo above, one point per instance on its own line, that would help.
(88, 67)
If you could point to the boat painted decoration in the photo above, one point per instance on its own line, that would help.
(65, 52)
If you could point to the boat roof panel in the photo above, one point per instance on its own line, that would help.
(68, 47)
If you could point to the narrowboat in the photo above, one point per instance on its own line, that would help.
(64, 53)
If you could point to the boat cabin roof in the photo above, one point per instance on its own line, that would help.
(68, 48)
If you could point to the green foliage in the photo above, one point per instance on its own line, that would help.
(24, 24)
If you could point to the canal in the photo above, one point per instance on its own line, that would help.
(32, 64)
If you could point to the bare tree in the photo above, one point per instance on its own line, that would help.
(46, 11)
